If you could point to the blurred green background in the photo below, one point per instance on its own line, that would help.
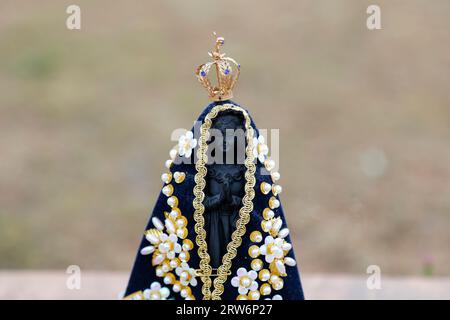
(364, 119)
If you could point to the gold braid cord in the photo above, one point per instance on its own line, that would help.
(244, 212)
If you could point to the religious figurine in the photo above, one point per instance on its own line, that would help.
(218, 230)
(224, 190)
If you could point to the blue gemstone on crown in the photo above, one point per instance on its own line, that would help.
(227, 71)
(203, 73)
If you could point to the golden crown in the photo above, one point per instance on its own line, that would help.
(226, 77)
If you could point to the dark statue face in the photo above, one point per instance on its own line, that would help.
(228, 137)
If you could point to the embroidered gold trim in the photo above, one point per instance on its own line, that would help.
(244, 212)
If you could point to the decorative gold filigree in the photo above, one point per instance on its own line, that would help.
(225, 74)
(206, 271)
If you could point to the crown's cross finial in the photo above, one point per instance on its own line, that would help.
(226, 76)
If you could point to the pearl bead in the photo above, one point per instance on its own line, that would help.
(172, 201)
(290, 262)
(274, 203)
(166, 177)
(266, 225)
(184, 275)
(265, 187)
(157, 223)
(283, 233)
(159, 272)
(274, 278)
(165, 292)
(164, 247)
(286, 246)
(182, 233)
(179, 176)
(174, 263)
(170, 255)
(152, 238)
(277, 224)
(170, 226)
(278, 285)
(257, 264)
(174, 213)
(254, 295)
(187, 245)
(167, 190)
(275, 250)
(268, 214)
(181, 222)
(265, 289)
(245, 282)
(169, 278)
(155, 295)
(185, 292)
(281, 269)
(264, 275)
(176, 286)
(158, 259)
(165, 268)
(147, 250)
(276, 189)
(256, 236)
(184, 256)
(253, 251)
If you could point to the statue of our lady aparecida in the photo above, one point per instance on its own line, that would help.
(217, 230)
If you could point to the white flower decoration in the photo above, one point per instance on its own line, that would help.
(186, 143)
(156, 292)
(260, 149)
(272, 226)
(169, 245)
(186, 274)
(273, 248)
(154, 237)
(275, 297)
(245, 281)
(176, 224)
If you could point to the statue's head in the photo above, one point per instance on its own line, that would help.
(228, 134)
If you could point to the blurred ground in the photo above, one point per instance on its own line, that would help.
(109, 285)
(86, 118)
